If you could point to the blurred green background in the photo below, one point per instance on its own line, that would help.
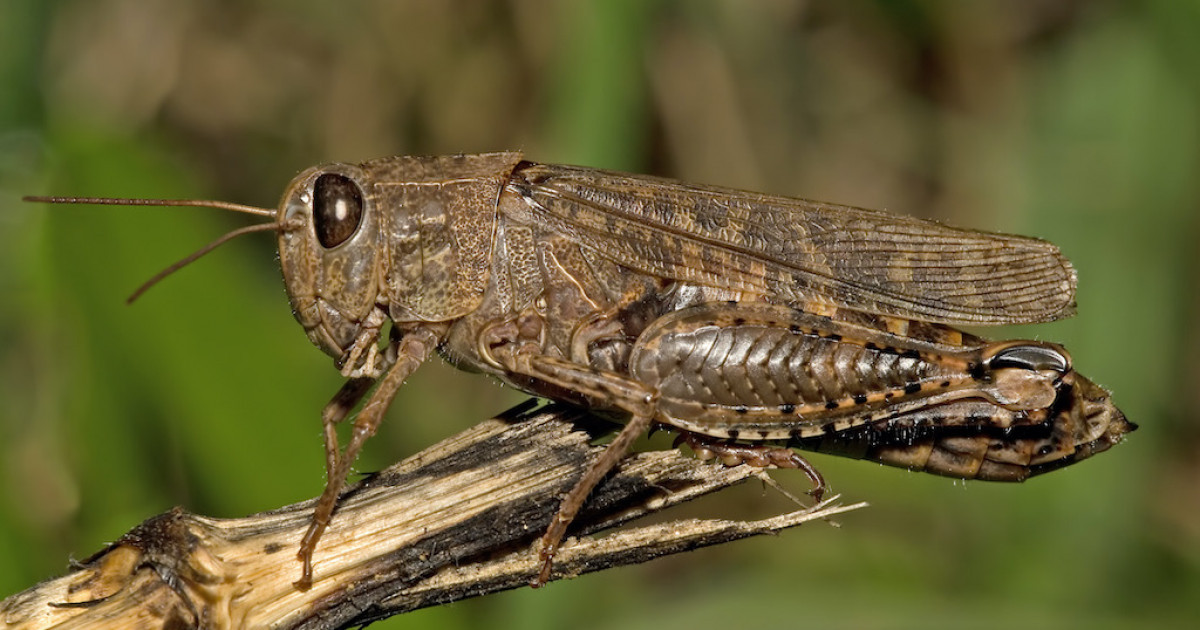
(1069, 120)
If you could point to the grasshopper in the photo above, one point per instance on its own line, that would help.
(752, 324)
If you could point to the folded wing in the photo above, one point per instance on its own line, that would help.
(802, 251)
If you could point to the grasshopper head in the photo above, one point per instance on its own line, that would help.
(329, 253)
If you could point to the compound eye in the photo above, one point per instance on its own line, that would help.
(337, 209)
(1031, 357)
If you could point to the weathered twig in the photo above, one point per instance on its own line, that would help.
(458, 520)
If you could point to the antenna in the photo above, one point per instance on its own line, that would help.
(190, 203)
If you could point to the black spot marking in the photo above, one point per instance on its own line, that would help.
(833, 404)
(741, 409)
(870, 345)
(912, 388)
(523, 189)
(911, 354)
(889, 395)
(787, 409)
(976, 370)
(833, 337)
(794, 329)
(270, 548)
(740, 321)
(733, 434)
(860, 399)
(731, 302)
(945, 384)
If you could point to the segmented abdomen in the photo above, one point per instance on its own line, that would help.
(766, 367)
(766, 379)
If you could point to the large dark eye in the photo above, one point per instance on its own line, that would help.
(1031, 357)
(337, 209)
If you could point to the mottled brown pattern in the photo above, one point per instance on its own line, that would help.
(443, 252)
(798, 250)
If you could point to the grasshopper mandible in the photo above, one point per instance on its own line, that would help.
(750, 323)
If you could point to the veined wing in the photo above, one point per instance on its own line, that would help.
(798, 251)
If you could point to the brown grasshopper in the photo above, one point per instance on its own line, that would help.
(750, 323)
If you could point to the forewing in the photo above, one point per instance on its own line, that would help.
(802, 251)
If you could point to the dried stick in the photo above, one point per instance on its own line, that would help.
(458, 520)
